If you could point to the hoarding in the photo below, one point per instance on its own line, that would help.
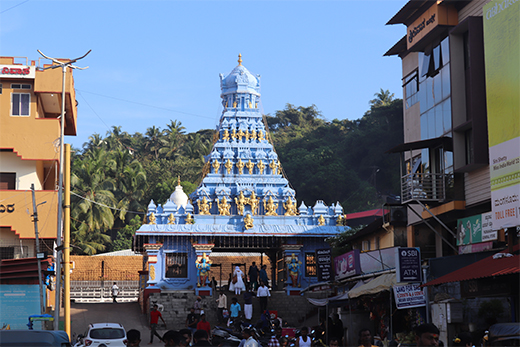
(324, 264)
(408, 264)
(475, 229)
(409, 296)
(347, 265)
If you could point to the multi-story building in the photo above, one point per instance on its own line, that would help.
(30, 108)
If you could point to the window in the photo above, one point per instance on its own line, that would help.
(310, 264)
(176, 265)
(411, 87)
(468, 139)
(7, 180)
(20, 86)
(365, 246)
(20, 104)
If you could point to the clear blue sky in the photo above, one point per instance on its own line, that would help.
(153, 61)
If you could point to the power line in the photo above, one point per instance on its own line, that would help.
(100, 204)
(10, 8)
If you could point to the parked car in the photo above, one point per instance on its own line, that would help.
(44, 338)
(103, 335)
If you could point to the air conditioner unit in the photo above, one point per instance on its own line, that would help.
(398, 215)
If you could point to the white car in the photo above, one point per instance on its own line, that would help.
(104, 335)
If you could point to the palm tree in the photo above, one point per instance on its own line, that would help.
(117, 139)
(383, 98)
(175, 127)
(153, 140)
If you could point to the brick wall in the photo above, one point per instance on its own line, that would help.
(110, 268)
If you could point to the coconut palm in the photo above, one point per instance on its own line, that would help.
(383, 98)
(153, 140)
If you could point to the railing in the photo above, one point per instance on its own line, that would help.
(424, 187)
(100, 291)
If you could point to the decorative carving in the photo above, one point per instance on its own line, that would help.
(246, 134)
(189, 219)
(152, 219)
(321, 220)
(340, 220)
(294, 270)
(240, 134)
(225, 135)
(171, 219)
(274, 167)
(204, 206)
(223, 207)
(261, 166)
(228, 166)
(240, 166)
(152, 272)
(235, 104)
(253, 202)
(253, 135)
(241, 201)
(270, 207)
(290, 208)
(250, 104)
(216, 166)
(260, 135)
(234, 134)
(250, 166)
(248, 221)
(203, 265)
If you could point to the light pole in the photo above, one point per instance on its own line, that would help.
(39, 256)
(64, 65)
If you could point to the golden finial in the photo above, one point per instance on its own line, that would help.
(239, 59)
(178, 180)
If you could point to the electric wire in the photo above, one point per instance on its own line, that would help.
(100, 204)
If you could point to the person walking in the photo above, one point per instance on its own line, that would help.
(253, 276)
(247, 334)
(155, 314)
(133, 337)
(238, 286)
(263, 275)
(115, 292)
(263, 294)
(304, 340)
(365, 338)
(221, 305)
(248, 303)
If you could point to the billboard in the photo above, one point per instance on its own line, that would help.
(408, 264)
(409, 296)
(17, 303)
(347, 265)
(475, 229)
(502, 57)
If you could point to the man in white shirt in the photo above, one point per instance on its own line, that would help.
(115, 292)
(222, 305)
(263, 293)
(250, 341)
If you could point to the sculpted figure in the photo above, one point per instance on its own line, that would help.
(248, 221)
(246, 134)
(294, 270)
(290, 208)
(216, 166)
(204, 206)
(253, 135)
(189, 219)
(151, 218)
(171, 219)
(321, 220)
(250, 166)
(274, 167)
(241, 201)
(240, 134)
(240, 166)
(260, 135)
(223, 207)
(234, 134)
(225, 135)
(270, 207)
(203, 265)
(228, 166)
(253, 201)
(340, 220)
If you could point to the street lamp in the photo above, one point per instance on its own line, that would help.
(64, 65)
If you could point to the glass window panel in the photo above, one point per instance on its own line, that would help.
(446, 111)
(425, 159)
(445, 50)
(425, 65)
(25, 104)
(429, 93)
(448, 162)
(437, 58)
(437, 88)
(431, 123)
(424, 127)
(422, 97)
(439, 129)
(445, 76)
(16, 104)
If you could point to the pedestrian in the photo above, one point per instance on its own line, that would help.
(115, 292)
(275, 339)
(253, 275)
(133, 337)
(221, 305)
(336, 331)
(263, 275)
(263, 294)
(248, 336)
(203, 324)
(230, 282)
(234, 310)
(238, 281)
(192, 320)
(197, 306)
(200, 337)
(248, 303)
(186, 334)
(173, 338)
(365, 338)
(155, 314)
(427, 335)
(304, 340)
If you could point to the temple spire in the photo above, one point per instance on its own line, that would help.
(239, 59)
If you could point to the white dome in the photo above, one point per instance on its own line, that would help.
(178, 197)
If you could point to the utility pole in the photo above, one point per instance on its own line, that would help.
(39, 255)
(64, 65)
(66, 241)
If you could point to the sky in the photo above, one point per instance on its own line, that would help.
(156, 61)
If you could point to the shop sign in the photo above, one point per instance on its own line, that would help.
(436, 15)
(324, 264)
(409, 296)
(17, 71)
(475, 229)
(347, 265)
(408, 264)
(476, 247)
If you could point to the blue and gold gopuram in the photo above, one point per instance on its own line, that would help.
(244, 203)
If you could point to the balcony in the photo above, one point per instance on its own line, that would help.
(425, 187)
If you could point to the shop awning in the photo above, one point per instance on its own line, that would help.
(335, 299)
(378, 284)
(487, 267)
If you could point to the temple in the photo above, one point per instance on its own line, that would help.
(244, 203)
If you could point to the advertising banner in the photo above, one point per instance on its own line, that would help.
(409, 296)
(408, 264)
(488, 233)
(17, 71)
(17, 303)
(324, 264)
(469, 230)
(502, 56)
(347, 265)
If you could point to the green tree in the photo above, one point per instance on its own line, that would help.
(383, 98)
(125, 235)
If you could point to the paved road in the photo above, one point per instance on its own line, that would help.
(128, 314)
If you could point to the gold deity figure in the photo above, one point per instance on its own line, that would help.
(260, 135)
(216, 166)
(261, 166)
(340, 220)
(223, 207)
(204, 206)
(228, 166)
(240, 166)
(225, 135)
(248, 221)
(253, 135)
(240, 134)
(241, 201)
(250, 104)
(270, 207)
(234, 134)
(151, 218)
(246, 134)
(234, 104)
(321, 220)
(254, 202)
(250, 166)
(171, 219)
(290, 208)
(189, 219)
(274, 167)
